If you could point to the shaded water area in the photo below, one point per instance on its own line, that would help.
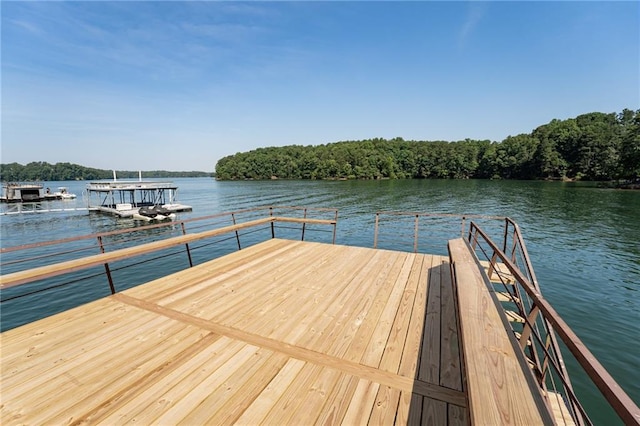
(584, 243)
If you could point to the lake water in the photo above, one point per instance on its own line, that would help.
(584, 243)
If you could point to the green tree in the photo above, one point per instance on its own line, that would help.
(630, 144)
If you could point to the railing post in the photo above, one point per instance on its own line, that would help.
(547, 344)
(415, 234)
(492, 265)
(304, 224)
(473, 235)
(335, 226)
(273, 231)
(106, 267)
(506, 235)
(233, 219)
(513, 253)
(184, 232)
(462, 227)
(375, 231)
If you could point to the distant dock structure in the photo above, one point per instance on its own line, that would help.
(126, 198)
(26, 192)
(144, 200)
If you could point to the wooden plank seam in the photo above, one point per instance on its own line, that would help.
(369, 373)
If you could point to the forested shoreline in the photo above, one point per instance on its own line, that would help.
(43, 171)
(593, 146)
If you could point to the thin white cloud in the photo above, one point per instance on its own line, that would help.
(28, 26)
(475, 13)
(229, 32)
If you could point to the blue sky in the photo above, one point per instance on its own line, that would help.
(179, 85)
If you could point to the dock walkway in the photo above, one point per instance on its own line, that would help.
(283, 332)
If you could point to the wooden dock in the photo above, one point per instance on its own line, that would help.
(283, 332)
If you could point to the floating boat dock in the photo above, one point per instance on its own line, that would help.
(119, 198)
(124, 198)
(31, 192)
(288, 332)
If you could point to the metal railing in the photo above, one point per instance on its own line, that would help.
(536, 325)
(427, 232)
(498, 244)
(190, 235)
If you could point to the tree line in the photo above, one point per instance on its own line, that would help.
(593, 146)
(43, 171)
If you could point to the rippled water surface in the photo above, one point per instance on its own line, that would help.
(584, 243)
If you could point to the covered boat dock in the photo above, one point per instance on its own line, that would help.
(124, 198)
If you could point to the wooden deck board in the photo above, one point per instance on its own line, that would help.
(322, 327)
(434, 412)
(291, 313)
(450, 368)
(559, 409)
(236, 278)
(194, 280)
(72, 348)
(409, 365)
(361, 403)
(499, 390)
(397, 340)
(337, 402)
(262, 404)
(154, 392)
(212, 395)
(76, 385)
(282, 332)
(244, 295)
(430, 360)
(47, 339)
(315, 396)
(378, 340)
(384, 283)
(385, 407)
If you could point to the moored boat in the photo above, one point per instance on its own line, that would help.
(63, 194)
(156, 212)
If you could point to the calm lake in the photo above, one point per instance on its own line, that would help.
(584, 243)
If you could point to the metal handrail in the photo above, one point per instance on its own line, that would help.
(163, 225)
(617, 398)
(541, 322)
(529, 315)
(417, 227)
(533, 279)
(530, 311)
(184, 237)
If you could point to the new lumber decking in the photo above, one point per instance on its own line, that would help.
(282, 332)
(499, 391)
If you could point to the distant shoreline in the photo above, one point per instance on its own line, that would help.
(43, 171)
